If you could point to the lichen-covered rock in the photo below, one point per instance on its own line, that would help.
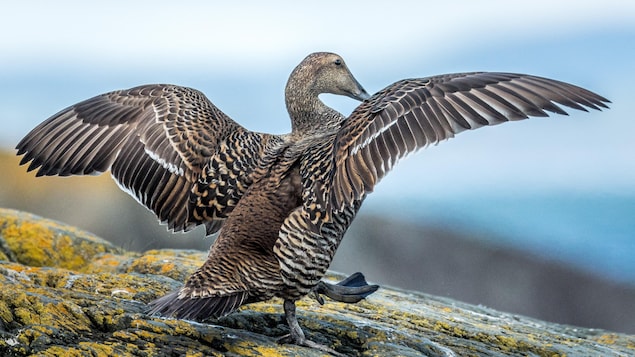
(64, 292)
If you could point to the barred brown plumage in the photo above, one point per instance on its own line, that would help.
(282, 203)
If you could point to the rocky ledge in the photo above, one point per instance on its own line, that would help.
(65, 292)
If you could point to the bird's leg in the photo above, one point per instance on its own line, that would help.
(350, 290)
(296, 335)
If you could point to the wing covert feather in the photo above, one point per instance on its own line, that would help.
(414, 113)
(158, 141)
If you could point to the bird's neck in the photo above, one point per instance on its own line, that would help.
(309, 115)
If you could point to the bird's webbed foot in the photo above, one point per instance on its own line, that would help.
(350, 290)
(296, 335)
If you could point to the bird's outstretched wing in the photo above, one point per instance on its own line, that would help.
(168, 146)
(413, 113)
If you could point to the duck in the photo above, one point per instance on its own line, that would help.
(280, 204)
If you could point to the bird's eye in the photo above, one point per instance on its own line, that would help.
(338, 62)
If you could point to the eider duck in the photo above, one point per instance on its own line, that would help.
(282, 203)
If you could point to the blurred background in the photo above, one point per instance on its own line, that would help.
(534, 217)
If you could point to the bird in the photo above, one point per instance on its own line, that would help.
(280, 204)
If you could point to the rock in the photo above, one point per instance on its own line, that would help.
(65, 292)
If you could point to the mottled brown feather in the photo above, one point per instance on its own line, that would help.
(411, 114)
(158, 142)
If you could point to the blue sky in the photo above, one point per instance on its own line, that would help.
(55, 54)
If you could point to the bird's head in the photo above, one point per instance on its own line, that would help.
(324, 72)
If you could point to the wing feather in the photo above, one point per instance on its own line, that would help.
(414, 113)
(159, 142)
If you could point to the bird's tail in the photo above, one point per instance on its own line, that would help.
(196, 308)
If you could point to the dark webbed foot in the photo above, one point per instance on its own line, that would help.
(350, 290)
(296, 335)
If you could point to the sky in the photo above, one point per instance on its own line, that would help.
(240, 55)
(576, 173)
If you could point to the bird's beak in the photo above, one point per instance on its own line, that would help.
(363, 95)
(359, 93)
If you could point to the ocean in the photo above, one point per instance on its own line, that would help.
(595, 233)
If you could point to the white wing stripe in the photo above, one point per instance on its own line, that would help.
(368, 140)
(166, 165)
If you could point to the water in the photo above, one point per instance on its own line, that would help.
(595, 233)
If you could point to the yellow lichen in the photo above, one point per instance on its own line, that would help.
(59, 351)
(24, 316)
(508, 342)
(101, 349)
(6, 315)
(266, 351)
(273, 306)
(39, 242)
(146, 325)
(183, 328)
(31, 242)
(607, 338)
(167, 268)
(353, 334)
(248, 348)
